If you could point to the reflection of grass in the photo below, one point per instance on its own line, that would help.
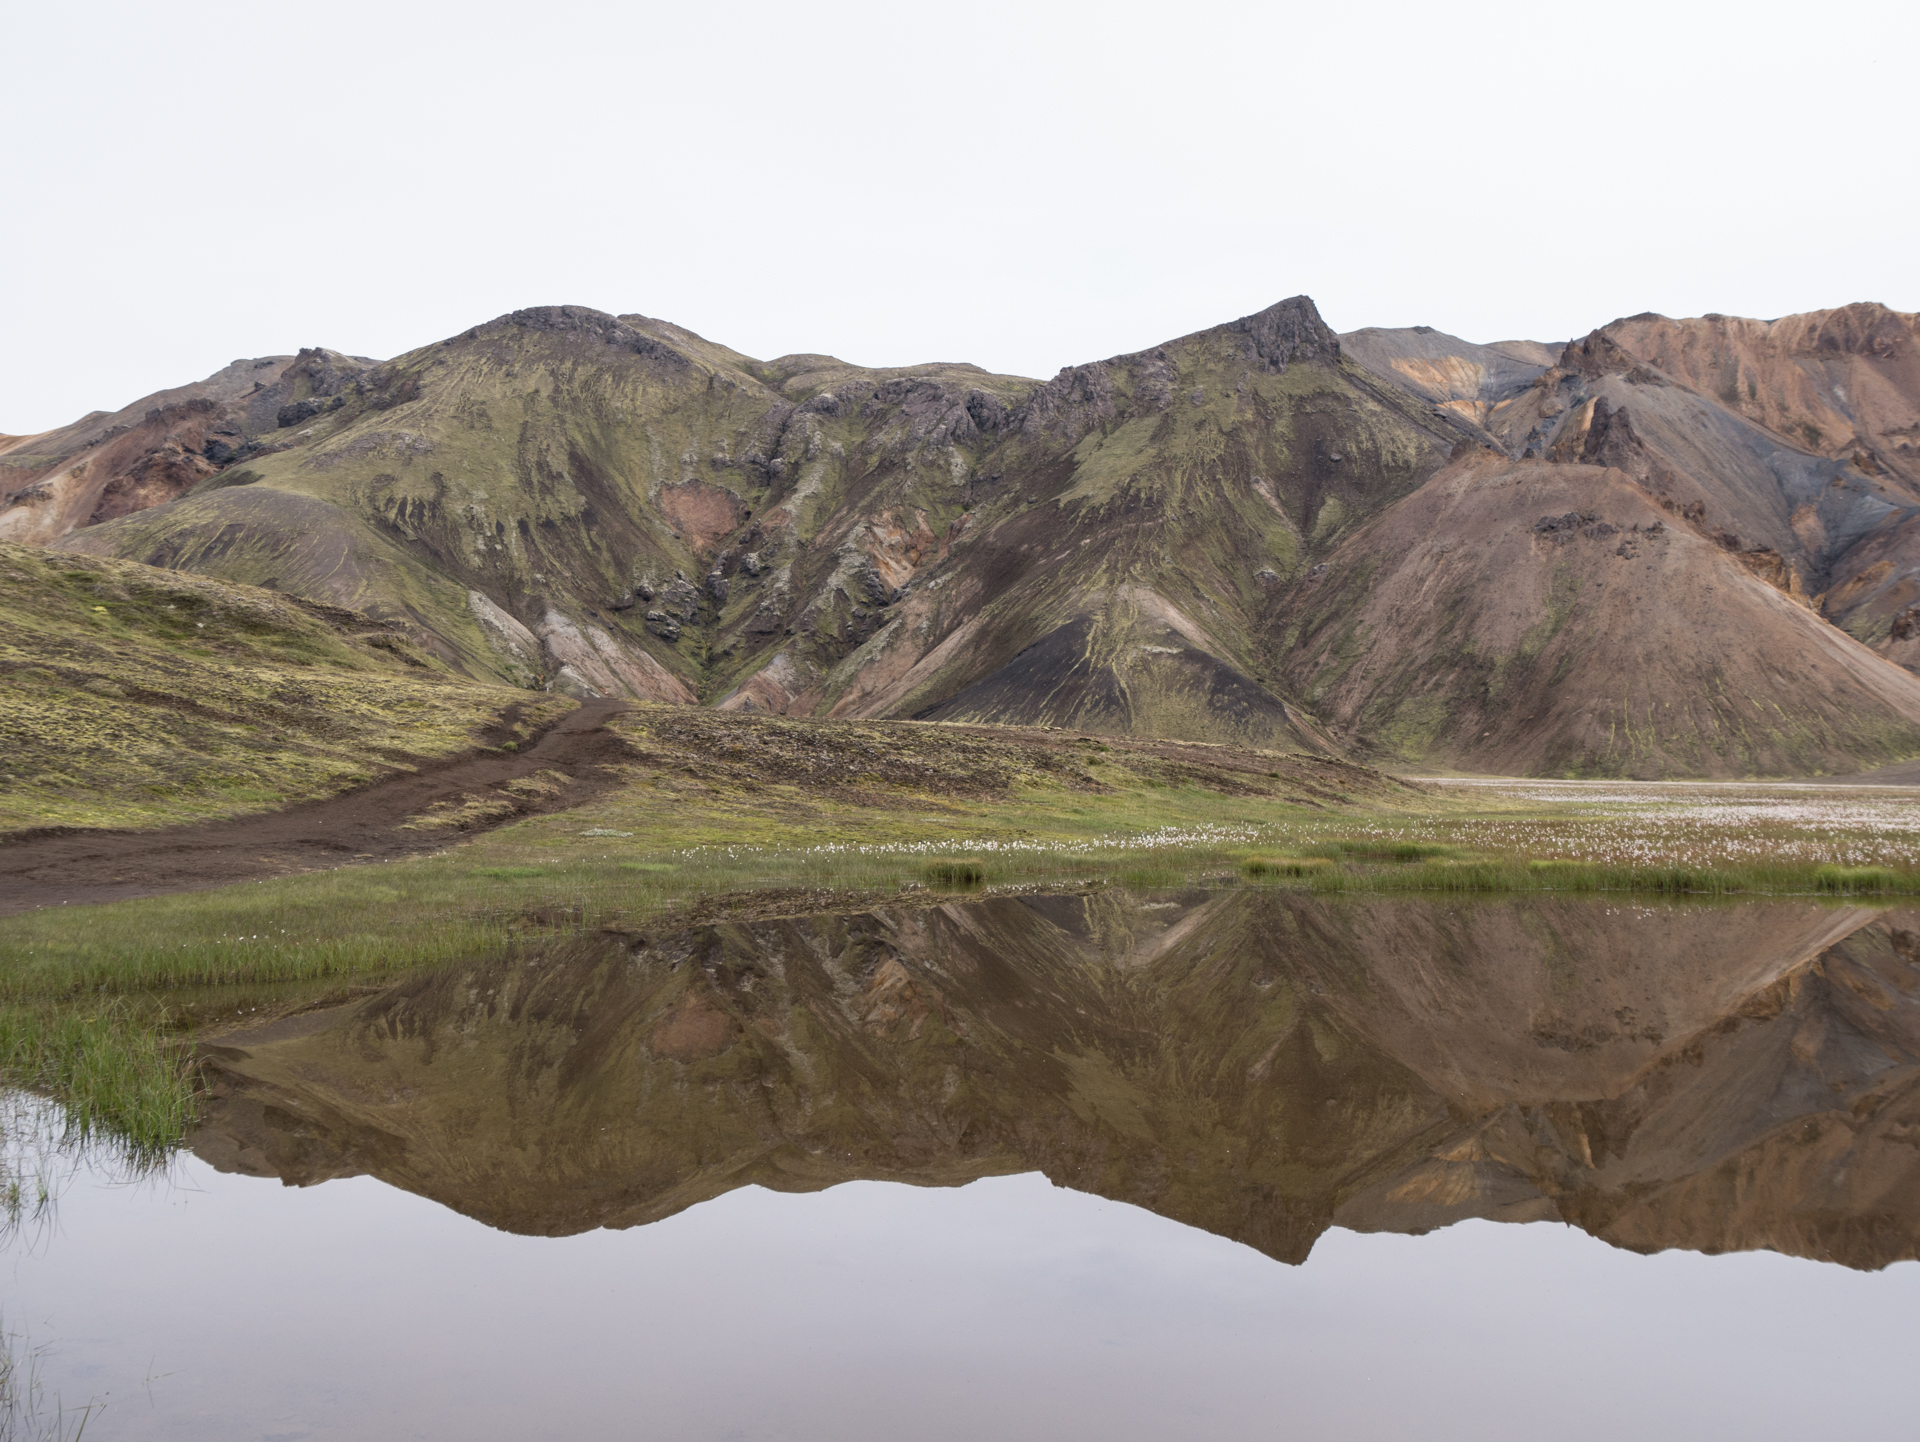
(1373, 850)
(1518, 875)
(24, 1415)
(658, 849)
(39, 1154)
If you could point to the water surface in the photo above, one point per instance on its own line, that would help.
(1182, 1165)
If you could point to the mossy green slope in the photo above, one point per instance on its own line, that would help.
(136, 696)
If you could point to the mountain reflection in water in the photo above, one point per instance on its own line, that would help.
(1263, 1064)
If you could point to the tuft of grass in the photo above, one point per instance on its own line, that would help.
(1153, 876)
(1367, 849)
(964, 874)
(117, 1075)
(1262, 867)
(1860, 880)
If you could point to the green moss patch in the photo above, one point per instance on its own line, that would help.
(134, 696)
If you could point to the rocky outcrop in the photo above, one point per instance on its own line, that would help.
(588, 661)
(1288, 331)
(584, 323)
(519, 649)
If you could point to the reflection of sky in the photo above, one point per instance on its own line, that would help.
(1005, 1309)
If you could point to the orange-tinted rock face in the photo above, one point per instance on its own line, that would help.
(1844, 383)
(162, 446)
(1789, 443)
(704, 514)
(127, 469)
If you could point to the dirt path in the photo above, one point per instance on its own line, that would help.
(78, 867)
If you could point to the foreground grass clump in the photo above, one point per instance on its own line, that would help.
(964, 874)
(1860, 880)
(1262, 868)
(114, 1070)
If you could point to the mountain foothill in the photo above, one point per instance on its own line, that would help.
(1670, 548)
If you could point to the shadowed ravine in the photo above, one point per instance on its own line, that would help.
(1260, 1063)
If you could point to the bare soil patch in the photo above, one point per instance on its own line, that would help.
(466, 793)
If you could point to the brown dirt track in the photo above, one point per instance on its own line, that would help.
(76, 867)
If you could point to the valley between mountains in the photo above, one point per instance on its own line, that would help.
(1671, 548)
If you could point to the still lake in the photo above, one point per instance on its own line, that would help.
(1120, 1165)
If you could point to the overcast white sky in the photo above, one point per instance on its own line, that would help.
(1021, 185)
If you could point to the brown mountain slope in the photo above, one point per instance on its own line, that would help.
(1844, 384)
(1258, 1063)
(1794, 440)
(1533, 618)
(1470, 380)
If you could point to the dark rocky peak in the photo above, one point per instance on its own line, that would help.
(1081, 397)
(1072, 403)
(1597, 355)
(989, 412)
(1610, 440)
(587, 325)
(930, 406)
(1291, 330)
(322, 372)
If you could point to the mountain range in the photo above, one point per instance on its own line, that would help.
(1668, 548)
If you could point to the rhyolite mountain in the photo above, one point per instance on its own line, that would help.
(1668, 548)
